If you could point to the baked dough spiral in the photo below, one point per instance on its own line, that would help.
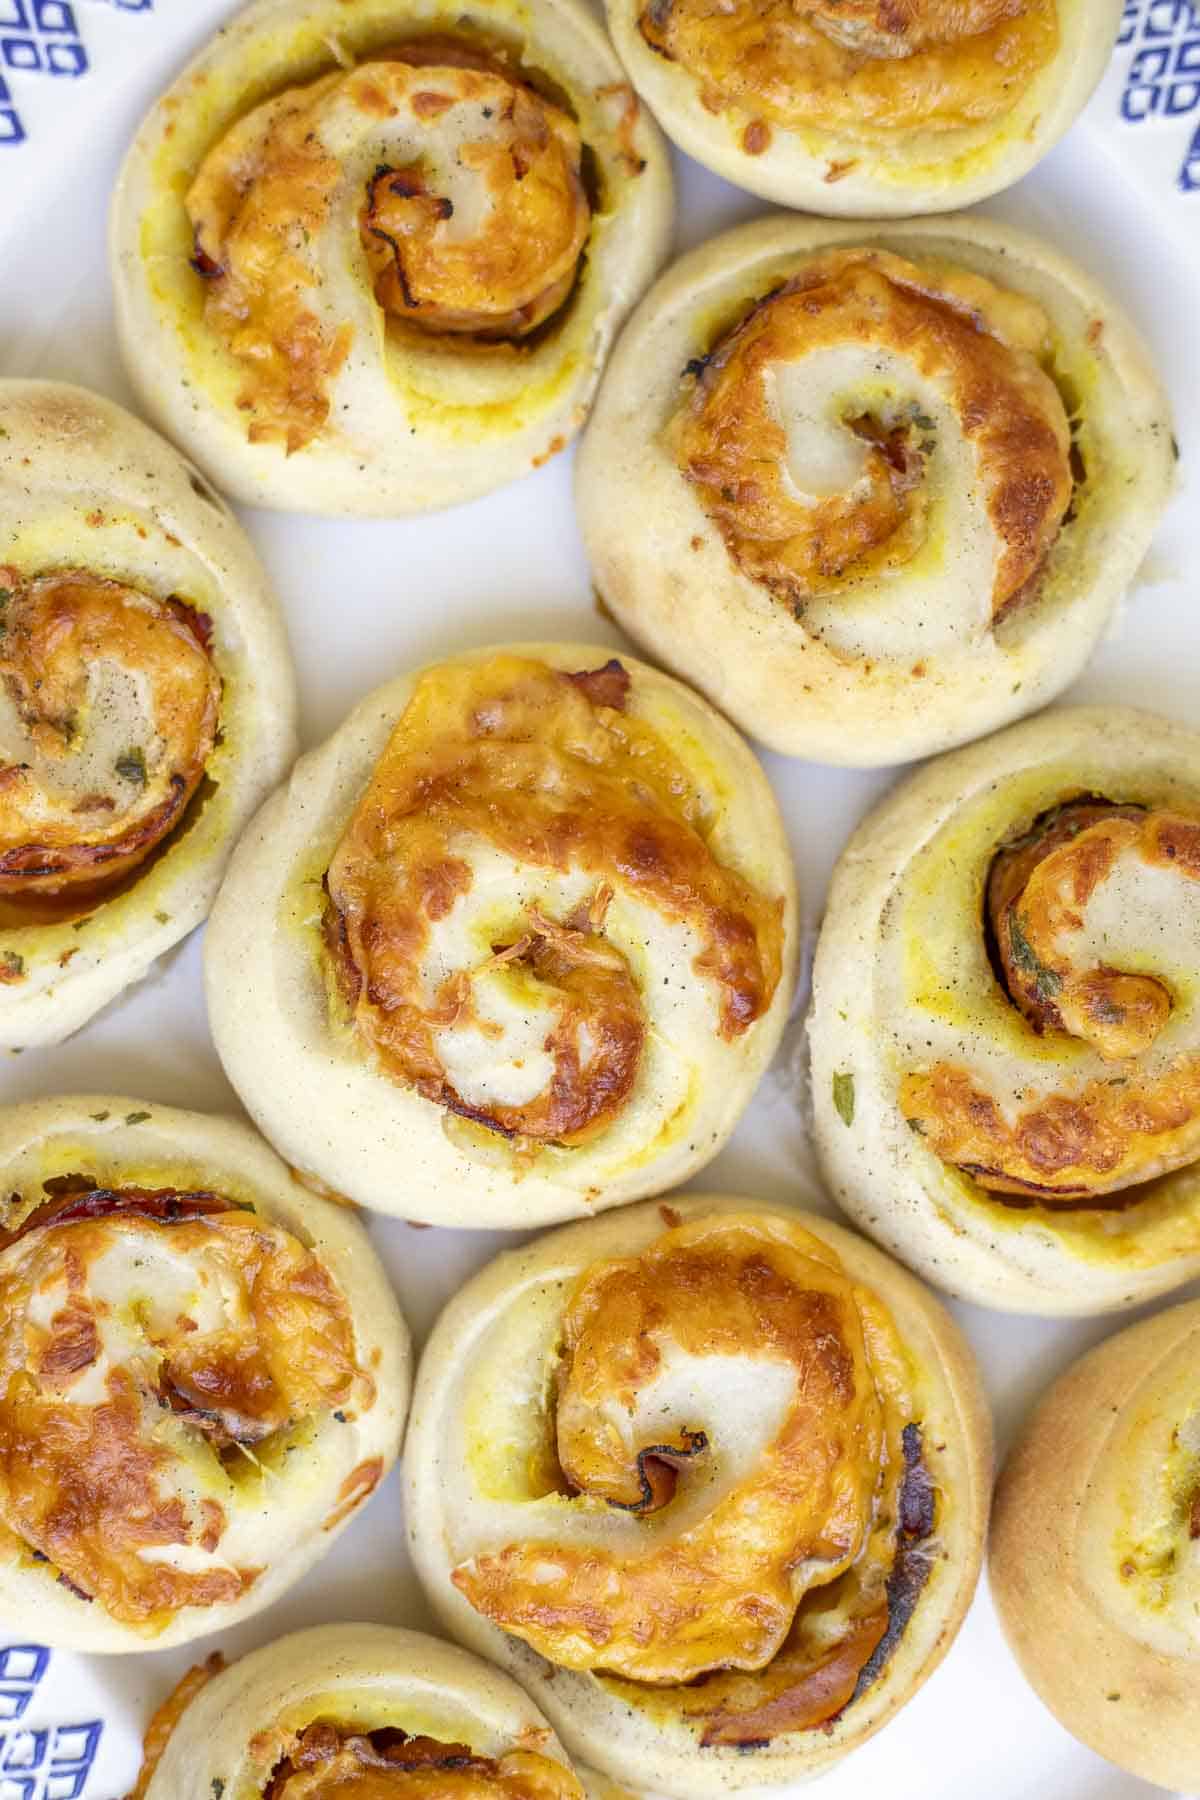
(371, 259)
(203, 1373)
(146, 703)
(710, 1478)
(1005, 1035)
(366, 1712)
(1097, 1528)
(867, 107)
(881, 487)
(515, 944)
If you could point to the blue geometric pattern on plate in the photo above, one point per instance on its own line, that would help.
(39, 1762)
(41, 37)
(1163, 79)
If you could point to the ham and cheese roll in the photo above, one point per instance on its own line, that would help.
(1005, 1026)
(710, 1478)
(146, 703)
(203, 1373)
(363, 1712)
(1097, 1527)
(881, 107)
(881, 487)
(371, 259)
(516, 943)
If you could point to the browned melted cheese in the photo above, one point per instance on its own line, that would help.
(762, 1611)
(875, 70)
(88, 1481)
(1105, 1137)
(331, 1760)
(975, 343)
(554, 772)
(109, 715)
(478, 229)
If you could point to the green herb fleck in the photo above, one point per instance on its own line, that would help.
(132, 766)
(917, 1125)
(163, 918)
(14, 966)
(218, 1787)
(1045, 981)
(136, 1118)
(5, 596)
(100, 1117)
(843, 1097)
(922, 421)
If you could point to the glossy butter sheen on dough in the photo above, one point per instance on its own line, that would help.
(105, 526)
(193, 1406)
(356, 354)
(955, 425)
(627, 973)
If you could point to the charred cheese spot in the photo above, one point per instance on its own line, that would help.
(1055, 900)
(872, 72)
(524, 1020)
(391, 1765)
(472, 219)
(109, 709)
(148, 1339)
(820, 476)
(750, 1409)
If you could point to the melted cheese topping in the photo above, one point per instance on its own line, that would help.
(488, 896)
(732, 1435)
(818, 433)
(1096, 920)
(109, 708)
(389, 1765)
(153, 1346)
(460, 182)
(869, 70)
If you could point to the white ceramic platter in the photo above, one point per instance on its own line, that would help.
(1122, 194)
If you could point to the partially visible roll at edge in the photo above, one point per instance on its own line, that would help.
(236, 1730)
(1055, 1579)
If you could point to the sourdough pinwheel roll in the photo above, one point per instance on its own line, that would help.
(203, 1373)
(363, 1712)
(515, 944)
(146, 702)
(371, 258)
(710, 1478)
(1097, 1528)
(880, 487)
(866, 106)
(1005, 1027)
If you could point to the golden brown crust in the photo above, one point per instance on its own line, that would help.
(1061, 1522)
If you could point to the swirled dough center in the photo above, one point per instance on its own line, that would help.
(150, 1342)
(870, 70)
(109, 708)
(474, 895)
(1095, 915)
(821, 432)
(732, 1425)
(454, 182)
(389, 1765)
